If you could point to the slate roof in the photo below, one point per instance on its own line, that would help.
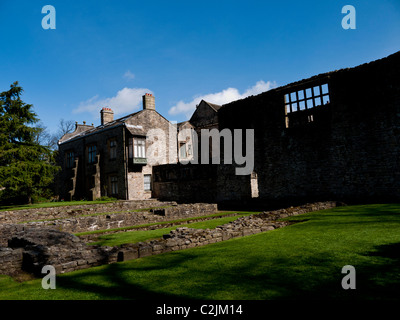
(214, 106)
(85, 130)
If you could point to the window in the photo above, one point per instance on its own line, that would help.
(308, 98)
(304, 100)
(91, 154)
(182, 151)
(113, 149)
(147, 182)
(139, 148)
(130, 148)
(70, 159)
(114, 185)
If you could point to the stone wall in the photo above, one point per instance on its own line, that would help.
(87, 176)
(159, 150)
(347, 149)
(93, 237)
(31, 248)
(124, 219)
(93, 180)
(185, 183)
(205, 116)
(11, 260)
(55, 212)
(200, 182)
(184, 238)
(7, 231)
(87, 218)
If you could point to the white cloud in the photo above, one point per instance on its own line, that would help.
(222, 97)
(128, 75)
(126, 101)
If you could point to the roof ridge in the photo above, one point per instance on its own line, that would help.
(215, 106)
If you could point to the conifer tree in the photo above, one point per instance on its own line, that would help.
(26, 167)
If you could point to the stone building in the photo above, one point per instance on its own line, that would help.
(116, 158)
(185, 139)
(332, 136)
(205, 116)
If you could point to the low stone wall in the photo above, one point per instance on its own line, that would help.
(10, 260)
(32, 248)
(92, 237)
(184, 238)
(31, 256)
(119, 220)
(7, 231)
(61, 212)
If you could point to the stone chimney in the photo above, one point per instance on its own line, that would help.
(107, 115)
(149, 102)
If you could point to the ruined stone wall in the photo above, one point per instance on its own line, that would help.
(84, 218)
(11, 260)
(59, 212)
(7, 231)
(349, 151)
(184, 238)
(199, 183)
(231, 186)
(30, 248)
(125, 219)
(185, 183)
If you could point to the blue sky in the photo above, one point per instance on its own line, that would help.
(109, 53)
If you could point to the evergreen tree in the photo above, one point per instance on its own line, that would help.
(26, 167)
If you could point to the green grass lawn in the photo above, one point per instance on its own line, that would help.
(135, 236)
(300, 261)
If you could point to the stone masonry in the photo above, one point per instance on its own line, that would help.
(33, 248)
(59, 212)
(84, 218)
(116, 158)
(30, 248)
(332, 136)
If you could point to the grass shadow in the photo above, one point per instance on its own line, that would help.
(391, 251)
(115, 282)
(380, 279)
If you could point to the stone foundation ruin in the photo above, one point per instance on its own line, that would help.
(29, 247)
